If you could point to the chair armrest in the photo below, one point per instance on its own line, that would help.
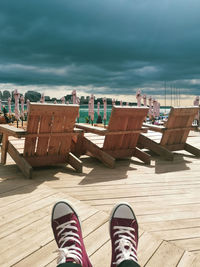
(76, 130)
(91, 129)
(12, 131)
(144, 129)
(155, 128)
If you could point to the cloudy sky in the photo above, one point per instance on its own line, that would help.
(106, 47)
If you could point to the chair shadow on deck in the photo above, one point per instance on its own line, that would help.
(14, 183)
(48, 173)
(179, 164)
(100, 174)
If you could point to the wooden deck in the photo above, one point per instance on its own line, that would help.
(165, 197)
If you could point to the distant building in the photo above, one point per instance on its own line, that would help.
(68, 98)
(6, 94)
(33, 96)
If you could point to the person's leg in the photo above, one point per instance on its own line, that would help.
(69, 264)
(67, 232)
(129, 263)
(124, 236)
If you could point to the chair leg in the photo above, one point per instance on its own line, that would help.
(104, 157)
(77, 147)
(4, 148)
(142, 156)
(193, 150)
(155, 147)
(23, 165)
(75, 162)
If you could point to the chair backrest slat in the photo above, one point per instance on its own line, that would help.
(49, 118)
(179, 117)
(124, 119)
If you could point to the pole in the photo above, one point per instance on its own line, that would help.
(171, 95)
(165, 97)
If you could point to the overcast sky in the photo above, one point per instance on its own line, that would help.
(108, 47)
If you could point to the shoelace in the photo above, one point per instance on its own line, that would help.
(125, 244)
(71, 251)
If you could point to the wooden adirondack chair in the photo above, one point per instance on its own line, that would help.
(119, 139)
(47, 140)
(173, 135)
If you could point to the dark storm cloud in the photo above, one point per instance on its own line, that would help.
(120, 45)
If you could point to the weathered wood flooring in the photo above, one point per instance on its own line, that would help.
(165, 197)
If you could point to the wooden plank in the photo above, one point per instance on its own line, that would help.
(4, 149)
(97, 238)
(102, 131)
(75, 162)
(38, 210)
(167, 216)
(24, 166)
(127, 122)
(37, 229)
(178, 129)
(99, 154)
(176, 234)
(98, 260)
(13, 182)
(190, 244)
(166, 255)
(9, 217)
(68, 126)
(91, 129)
(125, 132)
(132, 187)
(50, 134)
(40, 257)
(77, 145)
(178, 126)
(189, 259)
(158, 149)
(178, 191)
(156, 128)
(147, 246)
(46, 160)
(42, 109)
(131, 140)
(12, 131)
(142, 156)
(193, 150)
(31, 198)
(19, 190)
(56, 127)
(175, 147)
(115, 124)
(32, 127)
(171, 225)
(120, 153)
(45, 126)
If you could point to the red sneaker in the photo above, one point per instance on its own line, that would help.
(67, 232)
(123, 234)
